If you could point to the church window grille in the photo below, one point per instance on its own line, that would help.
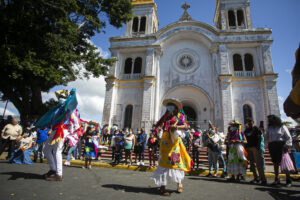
(143, 24)
(135, 25)
(237, 62)
(128, 116)
(240, 18)
(137, 65)
(247, 111)
(128, 66)
(231, 18)
(249, 65)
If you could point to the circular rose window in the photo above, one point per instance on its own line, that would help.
(186, 61)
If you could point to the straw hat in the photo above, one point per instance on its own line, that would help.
(173, 101)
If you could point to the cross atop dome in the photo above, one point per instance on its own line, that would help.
(186, 16)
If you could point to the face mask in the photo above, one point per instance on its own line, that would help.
(233, 128)
(130, 132)
(139, 132)
(171, 108)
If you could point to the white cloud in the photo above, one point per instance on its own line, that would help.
(46, 96)
(90, 94)
(7, 112)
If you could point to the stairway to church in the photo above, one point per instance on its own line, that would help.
(107, 155)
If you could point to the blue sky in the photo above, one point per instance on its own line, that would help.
(281, 15)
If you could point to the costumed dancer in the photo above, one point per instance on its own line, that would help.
(174, 160)
(63, 121)
(237, 158)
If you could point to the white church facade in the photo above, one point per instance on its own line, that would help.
(219, 73)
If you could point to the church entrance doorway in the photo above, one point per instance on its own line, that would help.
(191, 116)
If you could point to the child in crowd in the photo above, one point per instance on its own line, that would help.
(196, 143)
(152, 146)
(90, 149)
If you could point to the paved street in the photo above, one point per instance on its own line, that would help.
(25, 182)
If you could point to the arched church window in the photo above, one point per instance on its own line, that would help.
(143, 24)
(128, 116)
(231, 18)
(249, 65)
(237, 62)
(247, 111)
(135, 24)
(240, 18)
(128, 66)
(137, 65)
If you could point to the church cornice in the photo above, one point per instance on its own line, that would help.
(230, 78)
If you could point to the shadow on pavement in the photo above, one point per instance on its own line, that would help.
(282, 194)
(147, 190)
(19, 175)
(220, 180)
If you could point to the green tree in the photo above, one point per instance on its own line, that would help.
(44, 43)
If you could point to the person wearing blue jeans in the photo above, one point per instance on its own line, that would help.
(70, 152)
(142, 140)
(42, 135)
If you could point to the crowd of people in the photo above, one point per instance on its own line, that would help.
(223, 149)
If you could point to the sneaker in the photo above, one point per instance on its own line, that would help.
(138, 163)
(67, 163)
(288, 184)
(55, 178)
(142, 163)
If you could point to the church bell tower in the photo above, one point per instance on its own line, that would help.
(144, 21)
(233, 14)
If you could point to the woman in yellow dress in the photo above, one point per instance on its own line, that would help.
(174, 160)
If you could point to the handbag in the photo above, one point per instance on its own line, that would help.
(287, 163)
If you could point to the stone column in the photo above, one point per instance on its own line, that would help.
(149, 92)
(224, 20)
(216, 110)
(109, 102)
(272, 97)
(267, 58)
(223, 57)
(226, 100)
(158, 54)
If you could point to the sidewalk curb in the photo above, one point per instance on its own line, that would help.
(192, 173)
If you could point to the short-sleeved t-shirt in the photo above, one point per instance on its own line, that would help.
(42, 136)
(12, 131)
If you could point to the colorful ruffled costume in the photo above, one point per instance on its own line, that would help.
(237, 158)
(64, 120)
(173, 159)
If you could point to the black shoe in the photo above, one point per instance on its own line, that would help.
(208, 175)
(254, 181)
(276, 183)
(232, 179)
(288, 185)
(49, 174)
(263, 182)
